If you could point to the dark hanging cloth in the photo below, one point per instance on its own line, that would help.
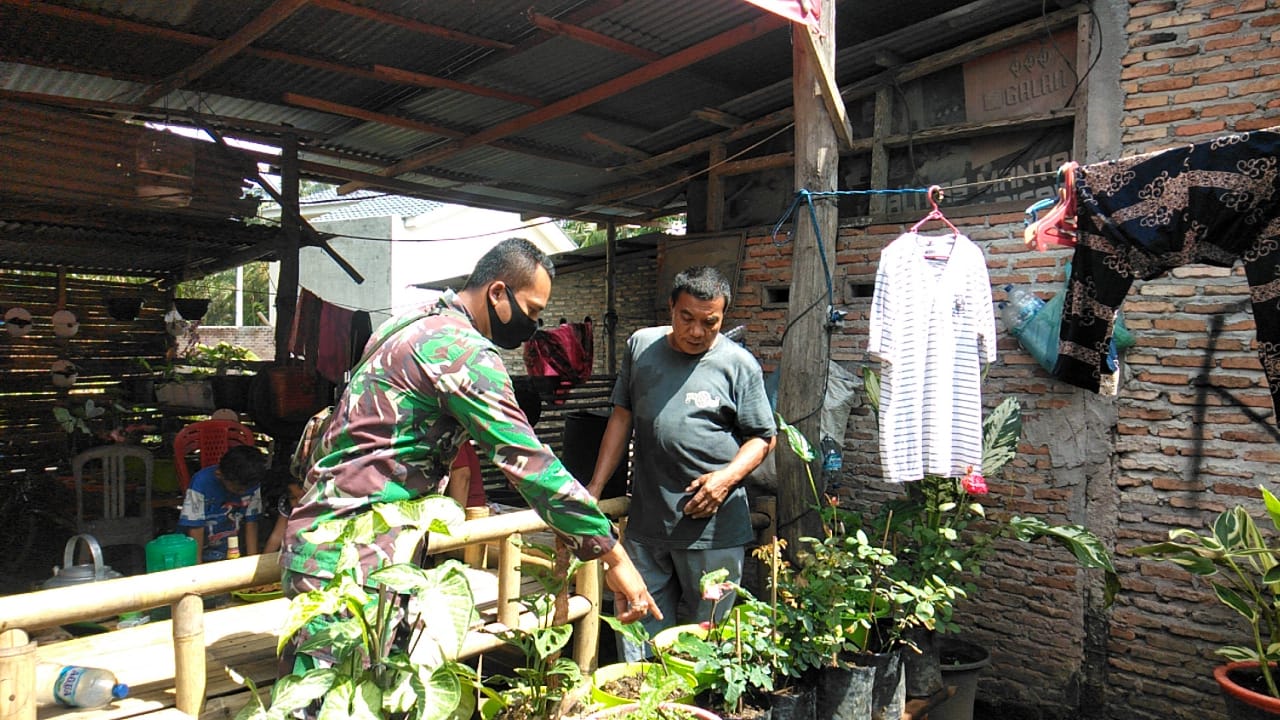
(361, 331)
(560, 358)
(1212, 202)
(333, 353)
(304, 336)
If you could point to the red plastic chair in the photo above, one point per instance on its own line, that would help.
(209, 439)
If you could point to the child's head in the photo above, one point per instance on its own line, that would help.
(293, 486)
(242, 468)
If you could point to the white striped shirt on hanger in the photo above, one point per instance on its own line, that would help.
(932, 326)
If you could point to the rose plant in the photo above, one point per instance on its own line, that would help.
(940, 530)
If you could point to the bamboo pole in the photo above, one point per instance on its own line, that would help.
(189, 672)
(509, 579)
(17, 676)
(586, 631)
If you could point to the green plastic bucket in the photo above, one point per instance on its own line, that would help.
(170, 551)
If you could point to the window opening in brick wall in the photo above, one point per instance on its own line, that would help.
(777, 296)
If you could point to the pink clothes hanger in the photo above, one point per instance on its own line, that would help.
(1058, 226)
(935, 196)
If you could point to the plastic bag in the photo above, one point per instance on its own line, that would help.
(1039, 334)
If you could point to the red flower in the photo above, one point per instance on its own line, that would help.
(973, 482)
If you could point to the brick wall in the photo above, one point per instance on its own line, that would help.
(579, 292)
(1191, 432)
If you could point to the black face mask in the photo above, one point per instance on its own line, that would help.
(510, 334)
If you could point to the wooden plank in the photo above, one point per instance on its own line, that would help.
(827, 85)
(616, 86)
(591, 37)
(409, 77)
(279, 11)
(417, 26)
(357, 113)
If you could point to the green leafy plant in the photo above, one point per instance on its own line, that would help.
(76, 418)
(942, 534)
(221, 357)
(741, 654)
(844, 597)
(356, 618)
(539, 688)
(1243, 567)
(659, 677)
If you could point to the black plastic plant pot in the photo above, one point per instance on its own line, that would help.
(191, 308)
(124, 308)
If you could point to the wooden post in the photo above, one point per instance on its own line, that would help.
(17, 676)
(883, 127)
(290, 232)
(804, 355)
(509, 580)
(586, 631)
(610, 291)
(715, 188)
(189, 673)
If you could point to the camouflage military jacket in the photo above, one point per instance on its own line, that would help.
(433, 381)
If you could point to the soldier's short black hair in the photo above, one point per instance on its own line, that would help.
(512, 261)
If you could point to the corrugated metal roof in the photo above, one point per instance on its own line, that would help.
(110, 53)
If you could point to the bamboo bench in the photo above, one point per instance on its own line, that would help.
(179, 668)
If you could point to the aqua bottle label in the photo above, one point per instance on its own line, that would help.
(64, 691)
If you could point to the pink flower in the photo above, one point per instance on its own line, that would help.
(717, 591)
(705, 624)
(973, 482)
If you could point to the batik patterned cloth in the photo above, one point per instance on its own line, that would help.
(1211, 202)
(432, 383)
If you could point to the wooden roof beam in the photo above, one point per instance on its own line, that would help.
(614, 145)
(346, 8)
(591, 37)
(627, 81)
(357, 113)
(279, 11)
(257, 130)
(409, 77)
(379, 73)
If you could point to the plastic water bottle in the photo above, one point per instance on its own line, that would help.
(832, 458)
(1021, 307)
(77, 686)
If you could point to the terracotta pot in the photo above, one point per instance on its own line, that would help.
(1243, 703)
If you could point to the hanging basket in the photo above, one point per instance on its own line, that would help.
(191, 308)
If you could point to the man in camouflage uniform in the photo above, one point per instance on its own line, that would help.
(432, 380)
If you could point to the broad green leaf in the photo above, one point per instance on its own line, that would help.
(871, 384)
(1235, 601)
(366, 704)
(293, 691)
(1001, 429)
(799, 444)
(337, 704)
(1272, 505)
(439, 693)
(447, 597)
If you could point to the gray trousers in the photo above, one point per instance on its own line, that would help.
(673, 577)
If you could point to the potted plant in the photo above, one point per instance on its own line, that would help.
(545, 686)
(372, 678)
(624, 682)
(1242, 564)
(231, 380)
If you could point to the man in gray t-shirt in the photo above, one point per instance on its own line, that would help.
(702, 422)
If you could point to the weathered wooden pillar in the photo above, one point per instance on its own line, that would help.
(189, 663)
(610, 291)
(290, 236)
(804, 349)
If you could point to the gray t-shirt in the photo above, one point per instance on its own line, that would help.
(690, 413)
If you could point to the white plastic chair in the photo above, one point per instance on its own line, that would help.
(126, 516)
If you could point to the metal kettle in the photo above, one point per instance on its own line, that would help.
(70, 574)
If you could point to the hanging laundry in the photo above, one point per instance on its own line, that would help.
(560, 357)
(304, 336)
(1211, 202)
(932, 326)
(333, 351)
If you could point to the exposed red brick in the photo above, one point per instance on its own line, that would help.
(1221, 76)
(1216, 28)
(1200, 95)
(1258, 123)
(1266, 20)
(1141, 102)
(1182, 361)
(1172, 52)
(1248, 56)
(1252, 6)
(1228, 109)
(1179, 83)
(1203, 128)
(1176, 20)
(1198, 64)
(1150, 8)
(1230, 42)
(1179, 324)
(1166, 116)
